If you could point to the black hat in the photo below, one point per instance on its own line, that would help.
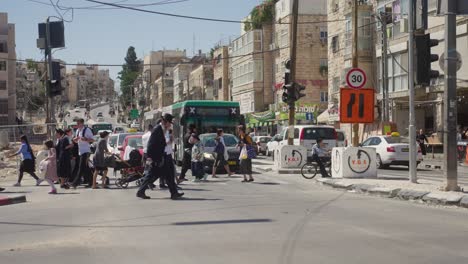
(103, 134)
(168, 118)
(59, 131)
(195, 136)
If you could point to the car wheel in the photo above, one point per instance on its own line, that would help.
(380, 164)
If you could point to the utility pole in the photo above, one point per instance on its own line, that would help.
(162, 80)
(355, 128)
(412, 115)
(385, 101)
(293, 52)
(450, 98)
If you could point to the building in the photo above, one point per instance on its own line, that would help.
(181, 74)
(312, 53)
(200, 86)
(221, 74)
(429, 106)
(88, 82)
(251, 70)
(7, 71)
(163, 92)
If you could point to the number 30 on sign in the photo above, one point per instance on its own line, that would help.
(356, 106)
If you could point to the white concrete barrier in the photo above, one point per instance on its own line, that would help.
(353, 162)
(288, 157)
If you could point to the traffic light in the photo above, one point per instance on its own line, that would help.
(289, 93)
(298, 89)
(424, 58)
(55, 80)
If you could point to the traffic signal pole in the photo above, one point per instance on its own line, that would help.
(48, 50)
(292, 105)
(450, 98)
(355, 127)
(412, 118)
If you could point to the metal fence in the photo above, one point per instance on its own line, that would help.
(36, 134)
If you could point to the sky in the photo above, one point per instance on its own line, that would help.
(103, 36)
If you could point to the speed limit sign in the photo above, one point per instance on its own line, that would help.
(356, 78)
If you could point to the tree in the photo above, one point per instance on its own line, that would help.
(128, 75)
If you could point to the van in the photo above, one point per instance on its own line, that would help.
(341, 140)
(307, 136)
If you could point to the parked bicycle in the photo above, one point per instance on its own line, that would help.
(311, 168)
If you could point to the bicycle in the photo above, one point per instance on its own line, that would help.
(311, 168)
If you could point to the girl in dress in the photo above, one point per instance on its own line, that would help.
(49, 164)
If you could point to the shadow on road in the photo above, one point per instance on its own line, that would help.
(222, 222)
(266, 183)
(15, 192)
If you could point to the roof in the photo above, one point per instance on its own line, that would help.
(205, 103)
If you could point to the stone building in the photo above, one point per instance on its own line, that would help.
(7, 71)
(221, 74)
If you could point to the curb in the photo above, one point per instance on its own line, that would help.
(437, 197)
(5, 200)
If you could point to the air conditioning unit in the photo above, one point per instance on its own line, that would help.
(273, 46)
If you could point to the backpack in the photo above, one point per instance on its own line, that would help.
(219, 149)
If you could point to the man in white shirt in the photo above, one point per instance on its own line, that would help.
(145, 139)
(84, 138)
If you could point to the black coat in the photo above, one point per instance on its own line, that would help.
(157, 144)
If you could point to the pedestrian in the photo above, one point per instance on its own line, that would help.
(62, 150)
(420, 138)
(246, 155)
(84, 138)
(159, 163)
(187, 145)
(221, 153)
(99, 160)
(28, 162)
(74, 154)
(49, 165)
(145, 139)
(197, 156)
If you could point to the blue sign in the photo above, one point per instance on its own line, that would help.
(309, 116)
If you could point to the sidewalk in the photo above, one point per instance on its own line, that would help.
(425, 190)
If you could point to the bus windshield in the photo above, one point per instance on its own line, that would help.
(101, 126)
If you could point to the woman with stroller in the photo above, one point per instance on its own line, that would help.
(28, 162)
(99, 160)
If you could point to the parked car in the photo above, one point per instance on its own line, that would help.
(118, 130)
(390, 150)
(208, 144)
(131, 140)
(261, 142)
(112, 143)
(272, 144)
(307, 135)
(99, 114)
(341, 140)
(120, 140)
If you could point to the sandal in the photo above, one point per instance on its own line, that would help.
(244, 180)
(251, 180)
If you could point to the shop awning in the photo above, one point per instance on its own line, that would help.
(323, 117)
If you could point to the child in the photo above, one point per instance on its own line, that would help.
(49, 164)
(197, 155)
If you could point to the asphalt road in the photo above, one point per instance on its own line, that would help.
(277, 219)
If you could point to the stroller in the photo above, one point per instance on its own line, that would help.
(130, 170)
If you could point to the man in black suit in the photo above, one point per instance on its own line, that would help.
(158, 162)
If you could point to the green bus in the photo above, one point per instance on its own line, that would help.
(207, 116)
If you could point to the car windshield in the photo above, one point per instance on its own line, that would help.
(229, 140)
(122, 138)
(396, 140)
(264, 139)
(319, 132)
(112, 141)
(340, 136)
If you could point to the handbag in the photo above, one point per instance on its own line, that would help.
(251, 152)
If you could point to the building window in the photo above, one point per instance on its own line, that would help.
(220, 83)
(323, 34)
(335, 44)
(3, 66)
(323, 97)
(3, 47)
(4, 107)
(324, 62)
(3, 85)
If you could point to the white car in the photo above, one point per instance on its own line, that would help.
(272, 144)
(390, 150)
(307, 135)
(261, 143)
(100, 119)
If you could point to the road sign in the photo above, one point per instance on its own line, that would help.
(134, 113)
(356, 106)
(309, 116)
(356, 78)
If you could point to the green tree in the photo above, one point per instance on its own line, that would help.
(128, 75)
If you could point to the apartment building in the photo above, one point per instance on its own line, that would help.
(312, 52)
(221, 74)
(163, 92)
(181, 74)
(7, 71)
(251, 81)
(429, 106)
(200, 85)
(88, 82)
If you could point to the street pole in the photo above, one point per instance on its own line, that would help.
(412, 122)
(385, 101)
(355, 127)
(293, 52)
(450, 98)
(49, 74)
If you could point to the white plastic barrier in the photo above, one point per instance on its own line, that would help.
(287, 156)
(354, 162)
